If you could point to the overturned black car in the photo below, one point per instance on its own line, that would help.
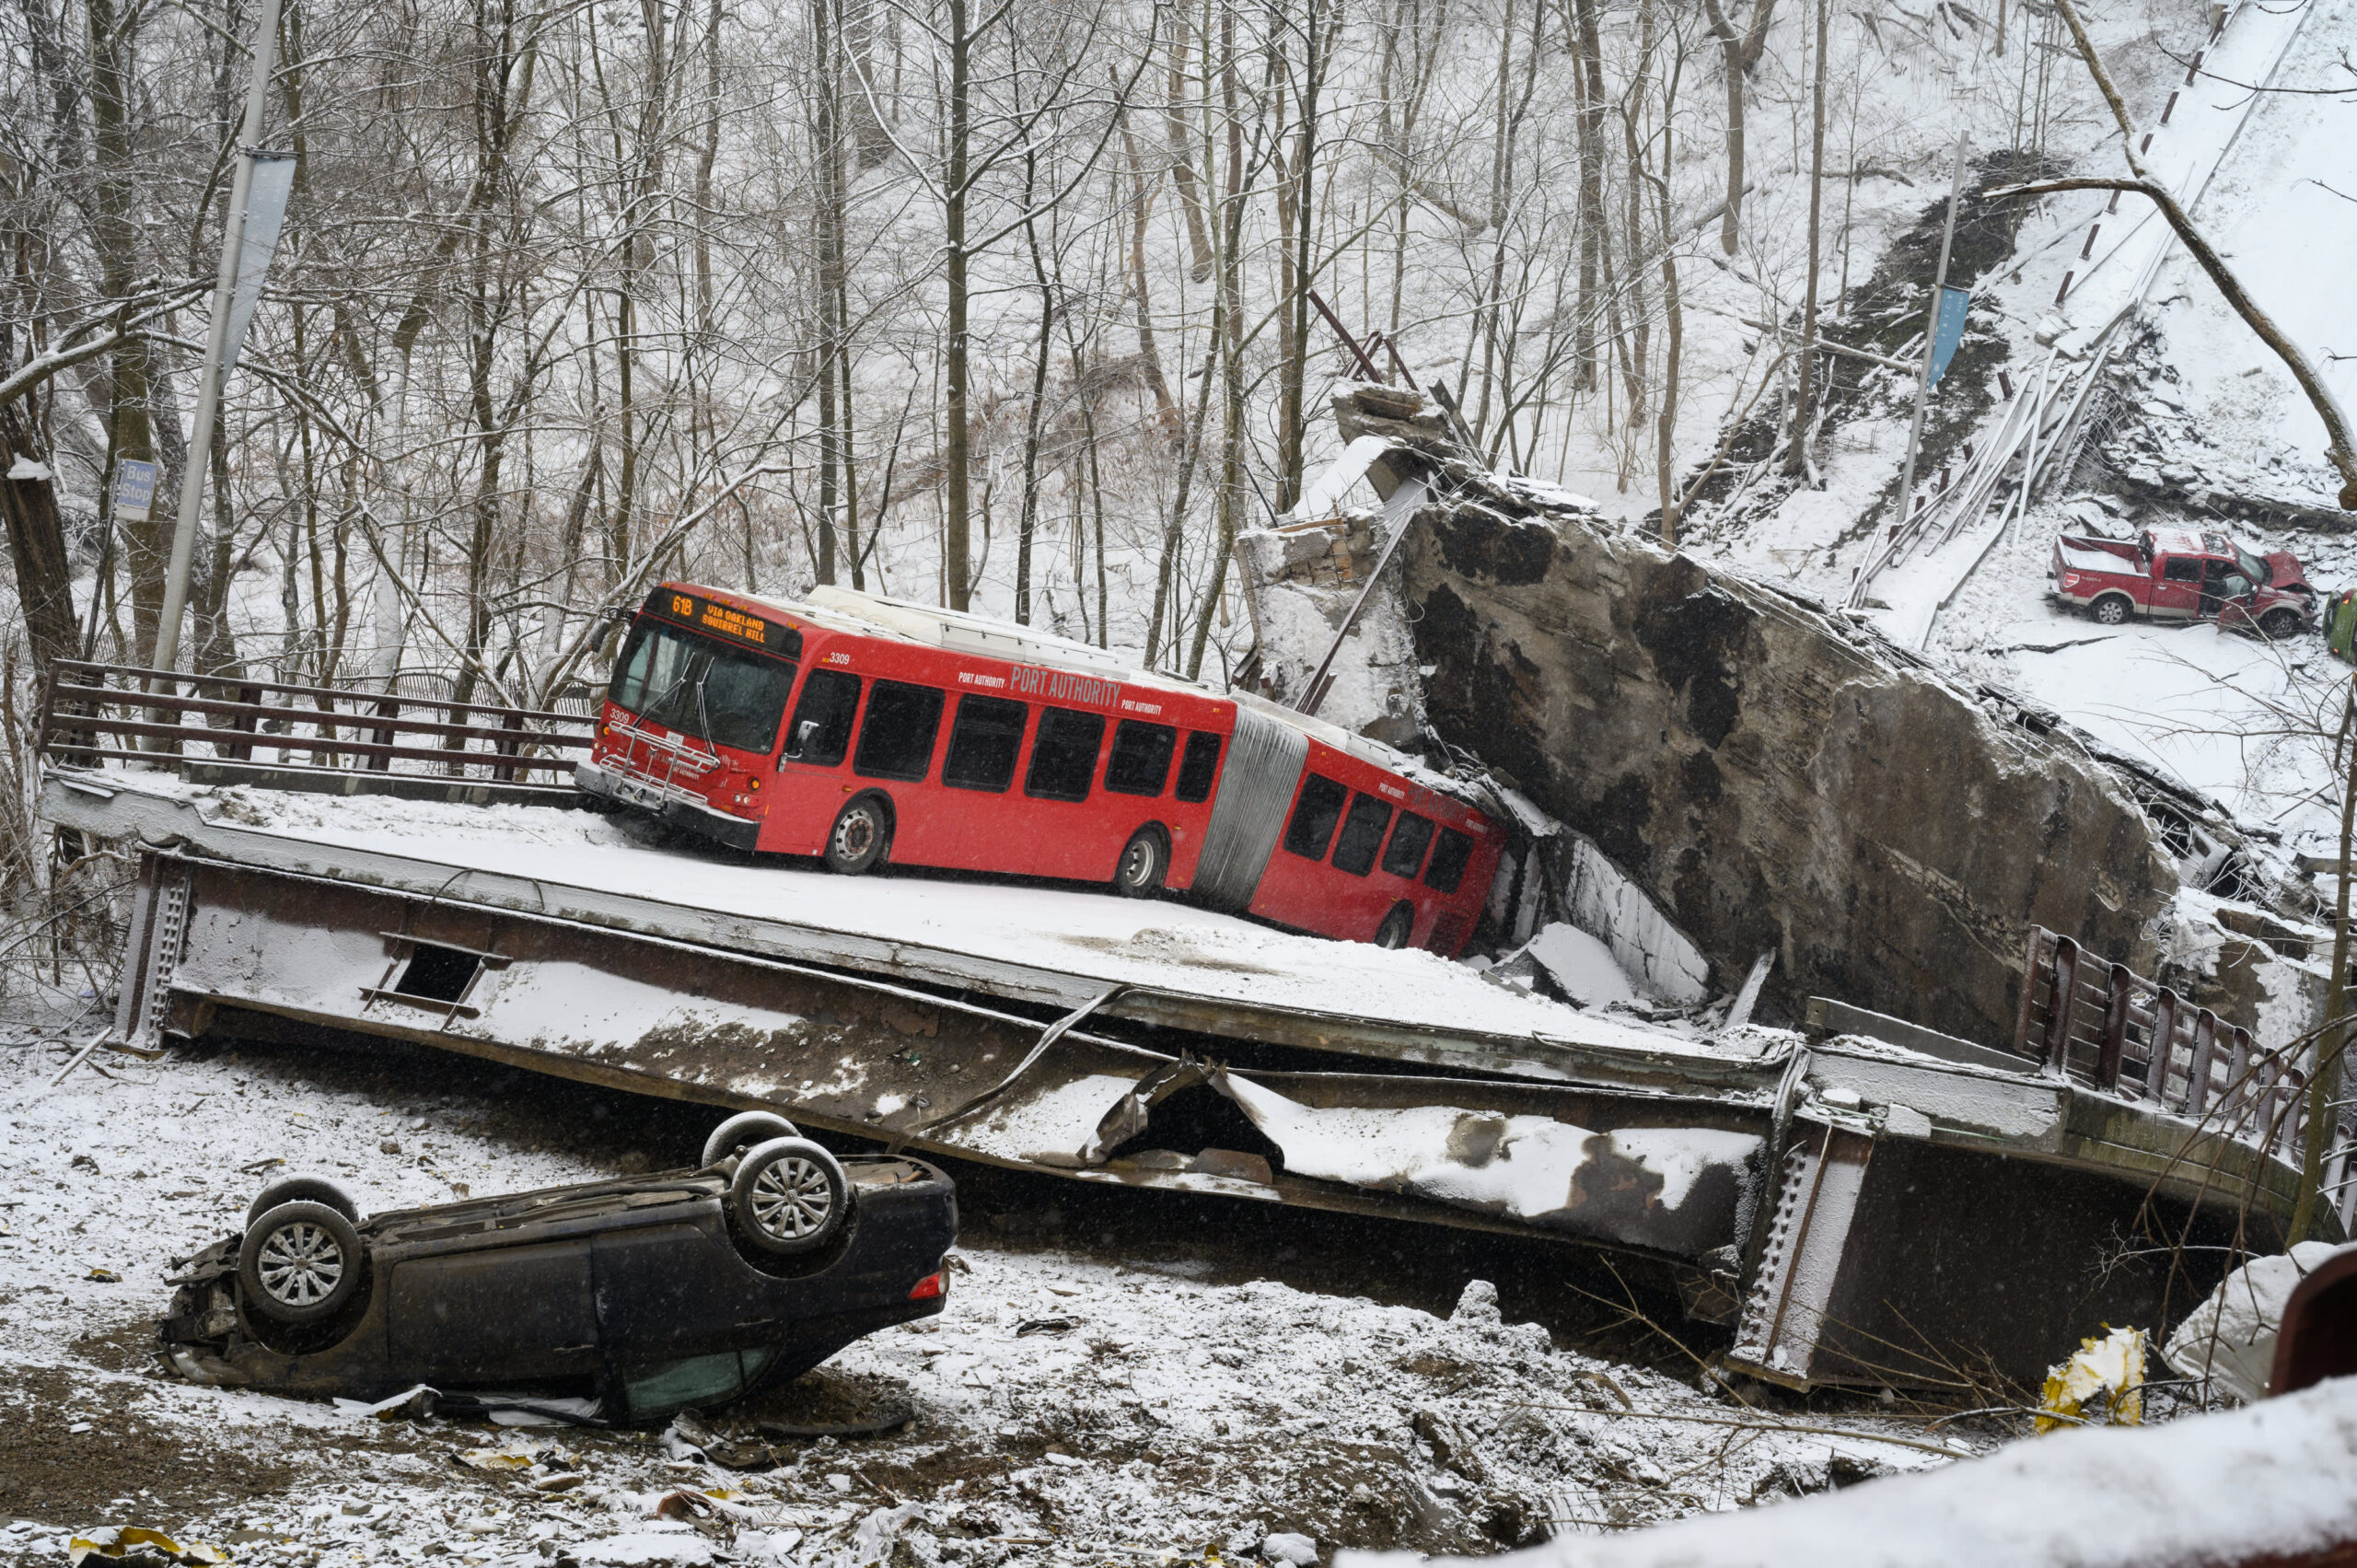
(610, 1301)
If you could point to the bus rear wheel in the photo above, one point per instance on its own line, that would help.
(857, 842)
(1395, 927)
(1145, 861)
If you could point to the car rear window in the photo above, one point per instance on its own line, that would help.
(1063, 757)
(1141, 759)
(1198, 767)
(983, 743)
(829, 699)
(896, 739)
(1405, 856)
(1314, 816)
(1449, 861)
(1362, 835)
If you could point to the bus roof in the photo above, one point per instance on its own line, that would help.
(847, 610)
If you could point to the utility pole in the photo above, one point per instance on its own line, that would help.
(1931, 337)
(217, 347)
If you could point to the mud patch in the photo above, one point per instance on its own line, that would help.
(119, 1459)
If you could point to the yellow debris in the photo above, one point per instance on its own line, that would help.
(116, 1542)
(2101, 1383)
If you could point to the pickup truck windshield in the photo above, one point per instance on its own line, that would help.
(681, 681)
(2251, 566)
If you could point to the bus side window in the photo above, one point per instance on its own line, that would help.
(1449, 861)
(1141, 759)
(983, 743)
(821, 729)
(896, 739)
(1314, 816)
(1362, 835)
(1063, 756)
(1198, 767)
(1409, 841)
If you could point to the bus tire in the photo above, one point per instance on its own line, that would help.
(855, 844)
(1144, 862)
(2111, 609)
(1396, 926)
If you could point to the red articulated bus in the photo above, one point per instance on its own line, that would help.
(851, 728)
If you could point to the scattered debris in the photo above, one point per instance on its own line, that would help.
(2100, 1384)
(137, 1546)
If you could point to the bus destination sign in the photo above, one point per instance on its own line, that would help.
(725, 621)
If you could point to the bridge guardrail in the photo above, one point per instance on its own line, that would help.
(311, 736)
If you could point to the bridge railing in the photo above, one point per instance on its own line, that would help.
(310, 736)
(2102, 1024)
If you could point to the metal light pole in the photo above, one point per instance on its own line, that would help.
(1931, 339)
(218, 349)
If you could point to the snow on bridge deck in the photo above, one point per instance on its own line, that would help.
(1184, 966)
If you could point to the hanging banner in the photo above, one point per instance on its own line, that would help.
(273, 178)
(1949, 330)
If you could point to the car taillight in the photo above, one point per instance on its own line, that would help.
(926, 1288)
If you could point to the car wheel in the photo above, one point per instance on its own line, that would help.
(302, 1190)
(742, 1131)
(788, 1196)
(856, 843)
(1145, 861)
(2111, 611)
(2281, 624)
(1396, 926)
(300, 1263)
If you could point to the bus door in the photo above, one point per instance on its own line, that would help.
(813, 775)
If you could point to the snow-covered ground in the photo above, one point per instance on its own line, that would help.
(1118, 1377)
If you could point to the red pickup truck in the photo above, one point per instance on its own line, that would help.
(2178, 574)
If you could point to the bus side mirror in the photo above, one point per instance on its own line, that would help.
(800, 741)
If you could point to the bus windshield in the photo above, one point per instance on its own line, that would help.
(702, 688)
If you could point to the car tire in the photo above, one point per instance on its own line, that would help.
(1396, 926)
(744, 1130)
(789, 1196)
(1144, 862)
(862, 831)
(2280, 625)
(2109, 610)
(302, 1190)
(300, 1262)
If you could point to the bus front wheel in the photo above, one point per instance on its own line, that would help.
(859, 838)
(1145, 861)
(1395, 927)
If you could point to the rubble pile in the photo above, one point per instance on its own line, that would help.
(1779, 779)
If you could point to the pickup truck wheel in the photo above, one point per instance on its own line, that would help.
(2281, 624)
(788, 1196)
(742, 1131)
(2109, 610)
(300, 1263)
(857, 842)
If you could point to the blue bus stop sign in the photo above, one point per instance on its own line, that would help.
(1949, 330)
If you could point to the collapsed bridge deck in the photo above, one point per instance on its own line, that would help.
(1858, 1210)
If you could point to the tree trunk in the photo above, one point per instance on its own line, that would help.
(36, 544)
(115, 234)
(956, 552)
(1797, 462)
(1731, 46)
